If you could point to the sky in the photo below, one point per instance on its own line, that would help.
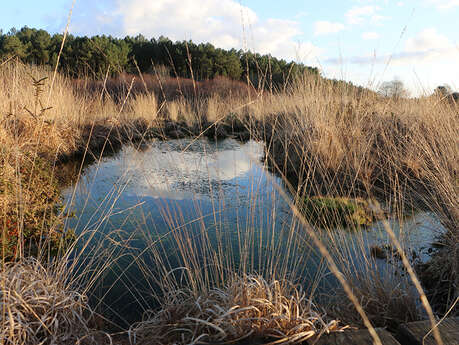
(363, 41)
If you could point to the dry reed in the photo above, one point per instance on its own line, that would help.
(247, 307)
(39, 307)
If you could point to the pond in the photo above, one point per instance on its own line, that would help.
(182, 203)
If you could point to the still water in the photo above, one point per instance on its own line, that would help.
(215, 197)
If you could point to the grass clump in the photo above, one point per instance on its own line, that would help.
(247, 307)
(38, 307)
(387, 301)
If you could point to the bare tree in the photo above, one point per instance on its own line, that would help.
(394, 89)
(443, 90)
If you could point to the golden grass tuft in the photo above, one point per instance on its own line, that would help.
(38, 307)
(182, 111)
(274, 311)
(145, 106)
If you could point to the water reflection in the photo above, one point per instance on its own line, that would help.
(216, 196)
(183, 174)
(184, 170)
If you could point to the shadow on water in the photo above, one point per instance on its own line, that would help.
(147, 201)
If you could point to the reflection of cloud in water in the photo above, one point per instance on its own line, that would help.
(166, 170)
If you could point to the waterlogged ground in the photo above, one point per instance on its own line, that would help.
(144, 197)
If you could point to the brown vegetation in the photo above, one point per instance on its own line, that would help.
(340, 142)
(276, 312)
(165, 88)
(39, 307)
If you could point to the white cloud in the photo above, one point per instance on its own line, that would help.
(370, 35)
(301, 14)
(224, 23)
(443, 4)
(357, 15)
(428, 59)
(426, 46)
(324, 27)
(430, 44)
(186, 172)
(400, 4)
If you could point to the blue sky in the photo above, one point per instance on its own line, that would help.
(365, 41)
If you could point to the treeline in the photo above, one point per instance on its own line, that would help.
(98, 55)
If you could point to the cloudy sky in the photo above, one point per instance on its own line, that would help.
(365, 41)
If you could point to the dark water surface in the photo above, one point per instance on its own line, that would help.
(200, 191)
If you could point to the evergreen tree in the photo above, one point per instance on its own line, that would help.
(96, 55)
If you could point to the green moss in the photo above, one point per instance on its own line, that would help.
(330, 212)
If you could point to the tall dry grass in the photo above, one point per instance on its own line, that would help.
(330, 140)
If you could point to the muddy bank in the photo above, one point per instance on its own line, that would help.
(440, 275)
(107, 138)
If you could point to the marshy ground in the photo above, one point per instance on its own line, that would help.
(346, 157)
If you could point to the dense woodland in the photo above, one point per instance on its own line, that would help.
(94, 56)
